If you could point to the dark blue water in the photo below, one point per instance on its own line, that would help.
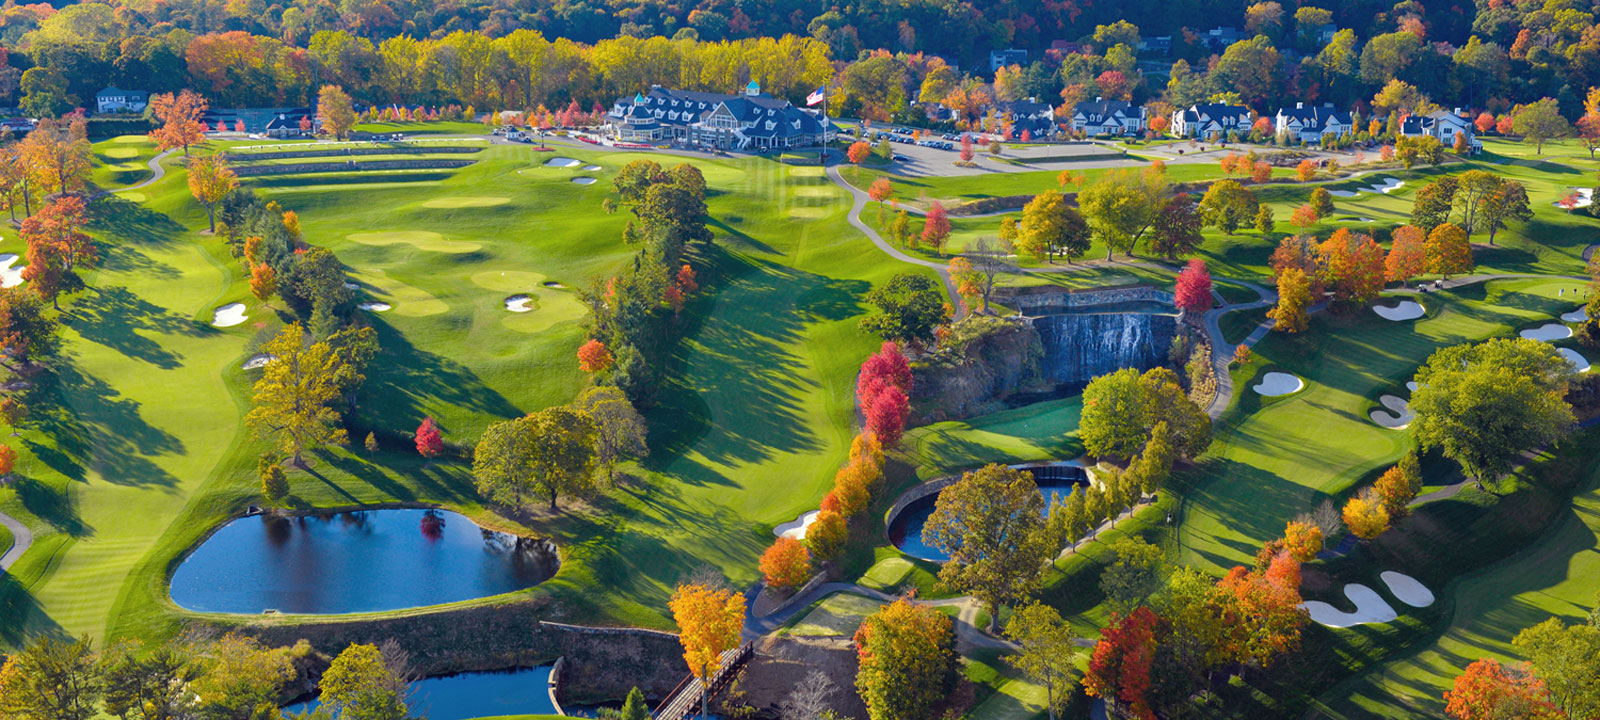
(355, 562)
(473, 695)
(906, 530)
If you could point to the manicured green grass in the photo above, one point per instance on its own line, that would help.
(1238, 324)
(121, 161)
(6, 539)
(837, 614)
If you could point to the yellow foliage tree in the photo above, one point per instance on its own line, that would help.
(709, 622)
(1366, 516)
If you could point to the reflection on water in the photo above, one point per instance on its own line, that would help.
(1056, 482)
(355, 562)
(473, 695)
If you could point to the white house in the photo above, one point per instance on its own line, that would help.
(1108, 117)
(1211, 118)
(753, 120)
(116, 100)
(1038, 118)
(1443, 125)
(1309, 124)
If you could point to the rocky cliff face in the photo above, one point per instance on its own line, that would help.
(990, 359)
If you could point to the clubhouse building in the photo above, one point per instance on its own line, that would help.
(749, 121)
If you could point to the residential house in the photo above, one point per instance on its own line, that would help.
(272, 122)
(1219, 38)
(1308, 125)
(1205, 120)
(1443, 125)
(749, 121)
(1156, 45)
(116, 100)
(1108, 117)
(1009, 56)
(1038, 118)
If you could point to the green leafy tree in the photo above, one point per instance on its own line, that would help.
(1228, 205)
(1322, 202)
(335, 111)
(1567, 657)
(1120, 409)
(51, 679)
(1431, 206)
(619, 429)
(27, 332)
(1265, 223)
(991, 524)
(1540, 122)
(1048, 652)
(907, 661)
(909, 307)
(1049, 226)
(242, 678)
(150, 685)
(1508, 202)
(274, 483)
(360, 685)
(1121, 206)
(293, 399)
(549, 452)
(1484, 404)
(1134, 577)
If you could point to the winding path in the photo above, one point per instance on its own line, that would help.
(23, 539)
(157, 171)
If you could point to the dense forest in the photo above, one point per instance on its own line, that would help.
(882, 58)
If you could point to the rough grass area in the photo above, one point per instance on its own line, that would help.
(837, 614)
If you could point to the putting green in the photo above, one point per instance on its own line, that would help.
(408, 300)
(121, 152)
(808, 212)
(551, 307)
(419, 239)
(466, 202)
(133, 196)
(508, 280)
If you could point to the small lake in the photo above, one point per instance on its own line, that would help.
(349, 562)
(1056, 483)
(473, 695)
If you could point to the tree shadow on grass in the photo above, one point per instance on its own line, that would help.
(404, 378)
(51, 506)
(106, 432)
(22, 618)
(131, 222)
(1249, 500)
(115, 317)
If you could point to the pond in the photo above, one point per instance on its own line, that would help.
(349, 562)
(1056, 482)
(524, 691)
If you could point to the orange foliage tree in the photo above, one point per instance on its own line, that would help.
(1304, 216)
(1261, 172)
(595, 357)
(210, 180)
(1306, 170)
(1406, 259)
(1488, 690)
(1119, 669)
(8, 460)
(1447, 250)
(858, 151)
(1264, 609)
(179, 118)
(263, 281)
(709, 622)
(52, 163)
(786, 564)
(57, 246)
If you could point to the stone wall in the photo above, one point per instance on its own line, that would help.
(350, 166)
(371, 150)
(1035, 300)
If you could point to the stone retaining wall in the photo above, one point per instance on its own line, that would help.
(376, 150)
(1045, 297)
(349, 166)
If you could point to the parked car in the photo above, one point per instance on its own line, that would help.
(901, 158)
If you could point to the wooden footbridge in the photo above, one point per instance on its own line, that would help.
(684, 700)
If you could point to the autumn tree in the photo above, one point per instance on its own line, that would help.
(27, 332)
(620, 431)
(826, 535)
(1304, 217)
(1354, 267)
(56, 248)
(1365, 515)
(907, 661)
(1447, 251)
(1567, 658)
(243, 677)
(858, 152)
(594, 356)
(1294, 302)
(882, 189)
(1122, 205)
(1302, 539)
(1322, 202)
(1265, 221)
(1488, 690)
(1119, 668)
(1484, 404)
(1306, 170)
(1262, 611)
(1176, 231)
(1227, 205)
(549, 452)
(936, 227)
(786, 564)
(1192, 293)
(53, 163)
(210, 180)
(179, 120)
(52, 678)
(709, 622)
(991, 525)
(1135, 575)
(263, 281)
(361, 685)
(1431, 205)
(274, 483)
(293, 401)
(1050, 226)
(1399, 485)
(335, 111)
(1407, 256)
(429, 440)
(1047, 652)
(1122, 409)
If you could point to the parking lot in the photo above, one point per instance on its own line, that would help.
(937, 155)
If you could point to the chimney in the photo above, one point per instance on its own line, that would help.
(1299, 106)
(1097, 98)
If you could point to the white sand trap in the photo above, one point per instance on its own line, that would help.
(375, 306)
(351, 286)
(1577, 359)
(562, 162)
(1406, 589)
(1412, 386)
(1387, 185)
(1585, 198)
(1398, 416)
(257, 360)
(1370, 609)
(1344, 193)
(1548, 331)
(229, 315)
(1406, 310)
(553, 284)
(1274, 384)
(796, 528)
(583, 180)
(1358, 219)
(1579, 315)
(591, 168)
(10, 276)
(518, 303)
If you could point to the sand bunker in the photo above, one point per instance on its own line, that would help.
(375, 306)
(564, 162)
(1548, 331)
(1406, 310)
(1412, 386)
(1357, 219)
(258, 360)
(466, 202)
(1274, 384)
(407, 300)
(583, 180)
(519, 303)
(1344, 193)
(1371, 608)
(1387, 185)
(1585, 198)
(1406, 589)
(796, 528)
(1576, 316)
(553, 284)
(1580, 361)
(1397, 417)
(229, 315)
(591, 168)
(10, 276)
(419, 239)
(352, 286)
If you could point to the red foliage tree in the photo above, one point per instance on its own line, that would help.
(937, 227)
(57, 247)
(966, 148)
(786, 564)
(1192, 294)
(858, 151)
(686, 280)
(886, 418)
(886, 368)
(1119, 669)
(1484, 122)
(1503, 124)
(1304, 216)
(594, 356)
(1264, 615)
(8, 460)
(1406, 258)
(1487, 690)
(430, 442)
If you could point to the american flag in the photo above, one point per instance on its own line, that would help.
(816, 97)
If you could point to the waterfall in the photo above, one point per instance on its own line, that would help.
(1080, 347)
